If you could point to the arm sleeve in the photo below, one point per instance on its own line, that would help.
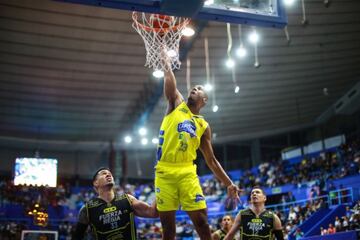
(82, 225)
(278, 234)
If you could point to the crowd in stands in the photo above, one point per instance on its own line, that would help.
(319, 172)
(350, 221)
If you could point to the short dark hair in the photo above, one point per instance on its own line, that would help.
(258, 187)
(97, 171)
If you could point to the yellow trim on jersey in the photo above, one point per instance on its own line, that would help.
(132, 226)
(180, 135)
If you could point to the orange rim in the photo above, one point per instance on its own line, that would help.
(155, 29)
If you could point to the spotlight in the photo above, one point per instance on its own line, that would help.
(142, 131)
(128, 139)
(171, 53)
(237, 89)
(241, 52)
(144, 141)
(158, 74)
(215, 108)
(208, 87)
(254, 37)
(155, 140)
(208, 2)
(230, 63)
(288, 2)
(188, 31)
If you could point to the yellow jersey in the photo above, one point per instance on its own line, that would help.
(180, 135)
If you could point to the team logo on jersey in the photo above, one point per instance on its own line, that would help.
(187, 126)
(256, 225)
(199, 198)
(109, 209)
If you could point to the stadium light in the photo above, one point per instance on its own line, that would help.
(127, 139)
(215, 108)
(158, 74)
(254, 37)
(230, 63)
(208, 2)
(142, 131)
(144, 141)
(208, 87)
(155, 140)
(288, 2)
(241, 52)
(237, 89)
(171, 53)
(188, 31)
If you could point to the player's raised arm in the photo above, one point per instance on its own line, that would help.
(214, 165)
(142, 209)
(171, 92)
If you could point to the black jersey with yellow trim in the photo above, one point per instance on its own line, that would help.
(254, 227)
(112, 221)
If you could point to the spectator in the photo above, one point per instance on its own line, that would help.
(298, 234)
(331, 229)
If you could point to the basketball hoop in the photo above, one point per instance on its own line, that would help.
(159, 32)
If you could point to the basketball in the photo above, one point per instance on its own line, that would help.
(161, 21)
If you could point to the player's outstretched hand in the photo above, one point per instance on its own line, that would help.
(233, 192)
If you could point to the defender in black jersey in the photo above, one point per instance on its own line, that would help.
(226, 223)
(257, 223)
(111, 216)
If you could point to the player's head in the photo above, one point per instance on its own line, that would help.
(226, 222)
(257, 195)
(198, 96)
(103, 177)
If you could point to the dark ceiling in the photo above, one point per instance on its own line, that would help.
(73, 75)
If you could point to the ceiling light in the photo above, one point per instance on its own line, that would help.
(254, 37)
(288, 2)
(142, 131)
(237, 89)
(127, 139)
(144, 141)
(230, 63)
(208, 87)
(158, 74)
(215, 108)
(241, 52)
(171, 53)
(188, 31)
(208, 2)
(155, 140)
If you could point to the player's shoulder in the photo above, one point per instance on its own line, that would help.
(269, 213)
(246, 211)
(94, 202)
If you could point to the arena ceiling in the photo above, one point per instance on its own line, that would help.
(73, 75)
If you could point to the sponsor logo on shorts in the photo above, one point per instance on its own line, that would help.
(199, 198)
(159, 200)
(157, 190)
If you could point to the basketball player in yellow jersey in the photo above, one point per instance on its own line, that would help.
(182, 132)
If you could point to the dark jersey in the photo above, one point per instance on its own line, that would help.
(221, 233)
(256, 228)
(112, 221)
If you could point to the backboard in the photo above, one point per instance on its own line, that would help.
(264, 13)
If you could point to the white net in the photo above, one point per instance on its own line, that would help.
(160, 32)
